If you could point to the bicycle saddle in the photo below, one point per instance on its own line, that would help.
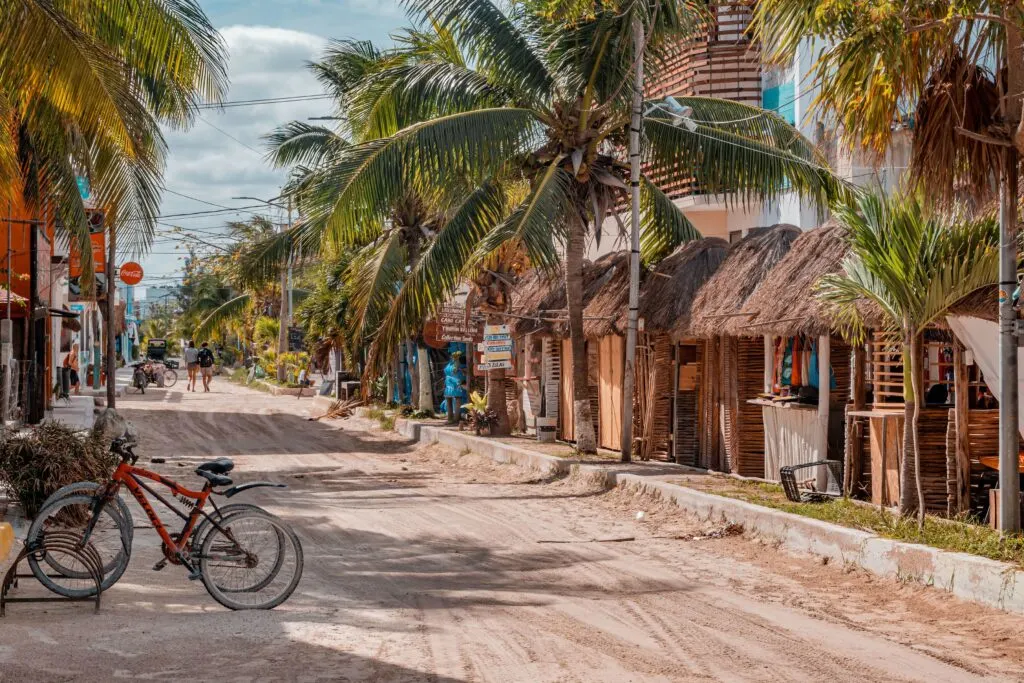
(214, 479)
(218, 466)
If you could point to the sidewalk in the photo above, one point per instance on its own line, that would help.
(965, 576)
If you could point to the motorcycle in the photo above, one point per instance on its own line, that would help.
(149, 372)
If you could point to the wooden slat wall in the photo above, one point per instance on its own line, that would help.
(983, 435)
(611, 368)
(552, 368)
(743, 424)
(566, 428)
(655, 363)
(710, 404)
(932, 425)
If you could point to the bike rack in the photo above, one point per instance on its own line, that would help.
(64, 542)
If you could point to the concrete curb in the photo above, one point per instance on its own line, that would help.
(965, 576)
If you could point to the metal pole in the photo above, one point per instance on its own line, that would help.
(110, 360)
(6, 334)
(1009, 437)
(629, 380)
(282, 336)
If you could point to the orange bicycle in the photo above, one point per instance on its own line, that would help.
(246, 557)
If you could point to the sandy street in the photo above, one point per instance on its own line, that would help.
(430, 565)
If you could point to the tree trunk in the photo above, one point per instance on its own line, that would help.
(908, 501)
(586, 440)
(111, 354)
(426, 394)
(282, 321)
(916, 380)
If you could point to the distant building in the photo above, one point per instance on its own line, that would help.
(156, 296)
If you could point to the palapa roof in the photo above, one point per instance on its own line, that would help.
(785, 304)
(719, 301)
(540, 299)
(667, 298)
(982, 303)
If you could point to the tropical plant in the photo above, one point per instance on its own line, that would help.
(542, 104)
(83, 89)
(265, 331)
(911, 266)
(930, 62)
(479, 414)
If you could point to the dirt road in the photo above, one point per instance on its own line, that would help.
(429, 565)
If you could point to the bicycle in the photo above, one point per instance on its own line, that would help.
(239, 551)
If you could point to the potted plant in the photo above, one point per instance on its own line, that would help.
(479, 416)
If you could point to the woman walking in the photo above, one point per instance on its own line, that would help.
(71, 362)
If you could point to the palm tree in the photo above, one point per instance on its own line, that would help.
(912, 266)
(83, 87)
(543, 102)
(231, 296)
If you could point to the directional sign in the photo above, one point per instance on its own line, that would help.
(498, 355)
(497, 337)
(497, 329)
(495, 365)
(496, 347)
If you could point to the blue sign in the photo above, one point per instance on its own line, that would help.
(83, 186)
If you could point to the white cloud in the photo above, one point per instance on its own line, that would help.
(265, 62)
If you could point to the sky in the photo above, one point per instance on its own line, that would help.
(269, 44)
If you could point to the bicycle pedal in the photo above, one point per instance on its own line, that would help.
(160, 565)
(195, 575)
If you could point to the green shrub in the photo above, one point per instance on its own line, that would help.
(34, 465)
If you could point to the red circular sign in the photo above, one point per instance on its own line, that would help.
(131, 273)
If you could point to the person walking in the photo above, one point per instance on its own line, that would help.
(206, 360)
(71, 362)
(192, 363)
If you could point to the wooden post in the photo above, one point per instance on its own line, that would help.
(824, 399)
(961, 409)
(854, 426)
(674, 430)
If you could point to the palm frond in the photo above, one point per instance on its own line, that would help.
(495, 42)
(230, 310)
(374, 277)
(539, 221)
(663, 225)
(744, 169)
(297, 142)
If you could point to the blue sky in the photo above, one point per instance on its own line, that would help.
(269, 43)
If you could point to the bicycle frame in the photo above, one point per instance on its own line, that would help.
(132, 477)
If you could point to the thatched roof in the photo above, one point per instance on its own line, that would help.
(785, 304)
(983, 303)
(669, 292)
(719, 301)
(540, 299)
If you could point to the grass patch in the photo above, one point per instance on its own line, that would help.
(947, 534)
(387, 423)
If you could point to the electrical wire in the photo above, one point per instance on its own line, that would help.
(231, 104)
(232, 137)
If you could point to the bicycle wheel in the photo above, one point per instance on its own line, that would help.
(170, 377)
(90, 488)
(246, 566)
(71, 516)
(205, 525)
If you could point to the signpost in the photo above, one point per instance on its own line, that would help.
(497, 348)
(131, 273)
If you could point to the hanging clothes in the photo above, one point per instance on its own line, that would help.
(798, 371)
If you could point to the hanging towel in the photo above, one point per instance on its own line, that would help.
(798, 370)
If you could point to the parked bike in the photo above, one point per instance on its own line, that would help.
(246, 557)
(151, 371)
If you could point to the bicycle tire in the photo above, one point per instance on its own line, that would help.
(225, 511)
(220, 513)
(89, 488)
(231, 598)
(118, 559)
(170, 378)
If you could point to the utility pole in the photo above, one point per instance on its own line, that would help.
(7, 333)
(1009, 435)
(629, 379)
(110, 361)
(283, 317)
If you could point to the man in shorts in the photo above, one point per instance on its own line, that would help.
(192, 363)
(206, 360)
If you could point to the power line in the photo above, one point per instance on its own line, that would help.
(232, 137)
(231, 104)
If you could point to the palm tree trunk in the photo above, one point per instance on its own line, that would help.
(586, 441)
(908, 500)
(426, 394)
(915, 381)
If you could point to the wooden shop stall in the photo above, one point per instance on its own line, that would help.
(669, 382)
(806, 381)
(541, 322)
(733, 358)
